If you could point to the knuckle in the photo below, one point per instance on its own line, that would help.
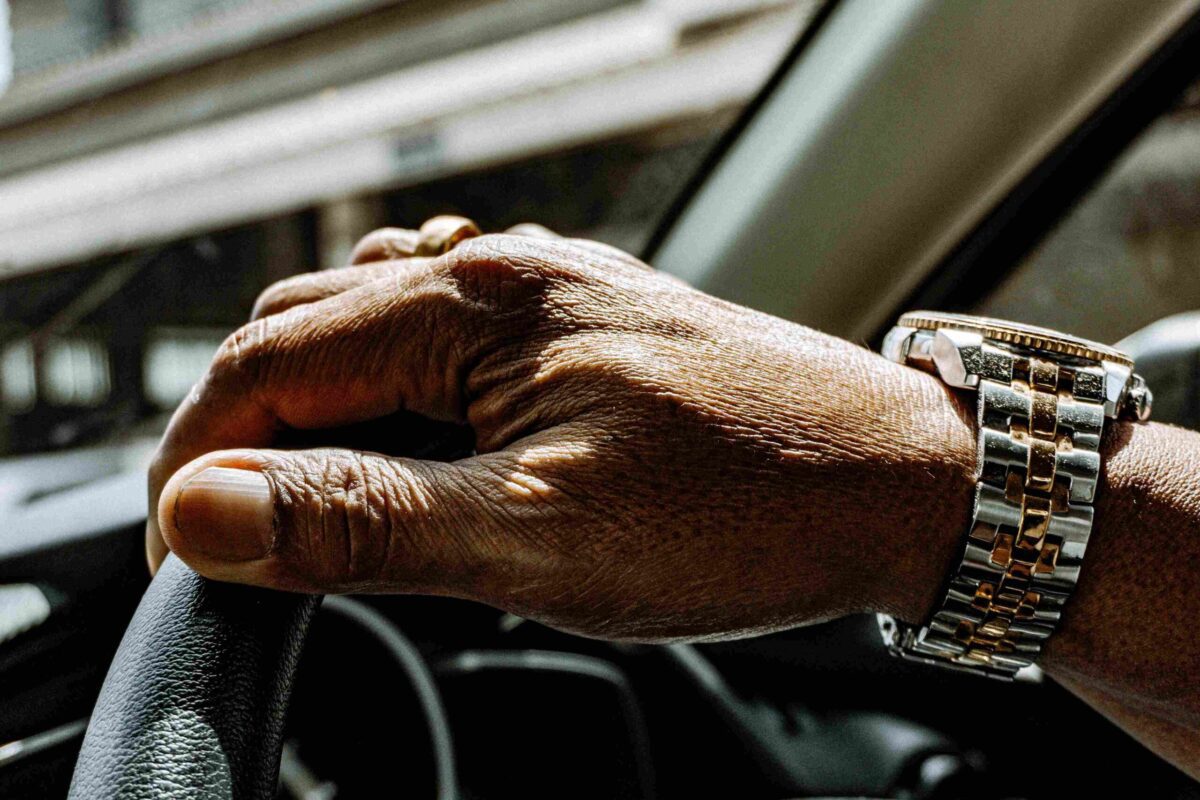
(384, 244)
(241, 356)
(275, 298)
(297, 290)
(343, 516)
(505, 271)
(313, 287)
(416, 538)
(314, 508)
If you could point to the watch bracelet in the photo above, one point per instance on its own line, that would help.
(1039, 424)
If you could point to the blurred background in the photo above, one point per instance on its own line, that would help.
(162, 161)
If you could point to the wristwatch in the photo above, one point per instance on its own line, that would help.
(1043, 398)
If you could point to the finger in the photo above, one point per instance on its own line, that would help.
(393, 243)
(384, 244)
(313, 287)
(400, 342)
(533, 230)
(333, 520)
(387, 244)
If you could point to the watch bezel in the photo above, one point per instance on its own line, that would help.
(1015, 333)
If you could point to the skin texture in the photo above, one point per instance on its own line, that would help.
(653, 464)
(1128, 643)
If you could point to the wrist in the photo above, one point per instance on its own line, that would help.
(878, 482)
(932, 496)
(1146, 514)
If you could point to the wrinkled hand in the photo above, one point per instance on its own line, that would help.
(653, 463)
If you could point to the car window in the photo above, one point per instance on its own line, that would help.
(1125, 255)
(162, 162)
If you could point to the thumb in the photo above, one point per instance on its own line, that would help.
(331, 520)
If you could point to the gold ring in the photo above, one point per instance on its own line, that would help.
(440, 234)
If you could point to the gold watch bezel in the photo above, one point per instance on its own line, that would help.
(1017, 334)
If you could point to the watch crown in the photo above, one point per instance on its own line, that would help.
(1138, 399)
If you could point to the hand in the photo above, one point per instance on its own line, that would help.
(653, 463)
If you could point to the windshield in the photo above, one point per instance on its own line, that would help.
(162, 161)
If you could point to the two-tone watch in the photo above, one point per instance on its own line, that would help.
(1043, 399)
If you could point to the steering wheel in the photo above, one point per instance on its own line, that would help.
(193, 704)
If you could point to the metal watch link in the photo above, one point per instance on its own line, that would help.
(1043, 399)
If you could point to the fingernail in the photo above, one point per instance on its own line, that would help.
(227, 514)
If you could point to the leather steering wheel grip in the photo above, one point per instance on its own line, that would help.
(194, 702)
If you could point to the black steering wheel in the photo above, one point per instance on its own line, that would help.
(194, 702)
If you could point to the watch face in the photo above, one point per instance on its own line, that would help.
(1016, 333)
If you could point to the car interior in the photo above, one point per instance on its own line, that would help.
(983, 158)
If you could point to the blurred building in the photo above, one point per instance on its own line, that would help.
(163, 160)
